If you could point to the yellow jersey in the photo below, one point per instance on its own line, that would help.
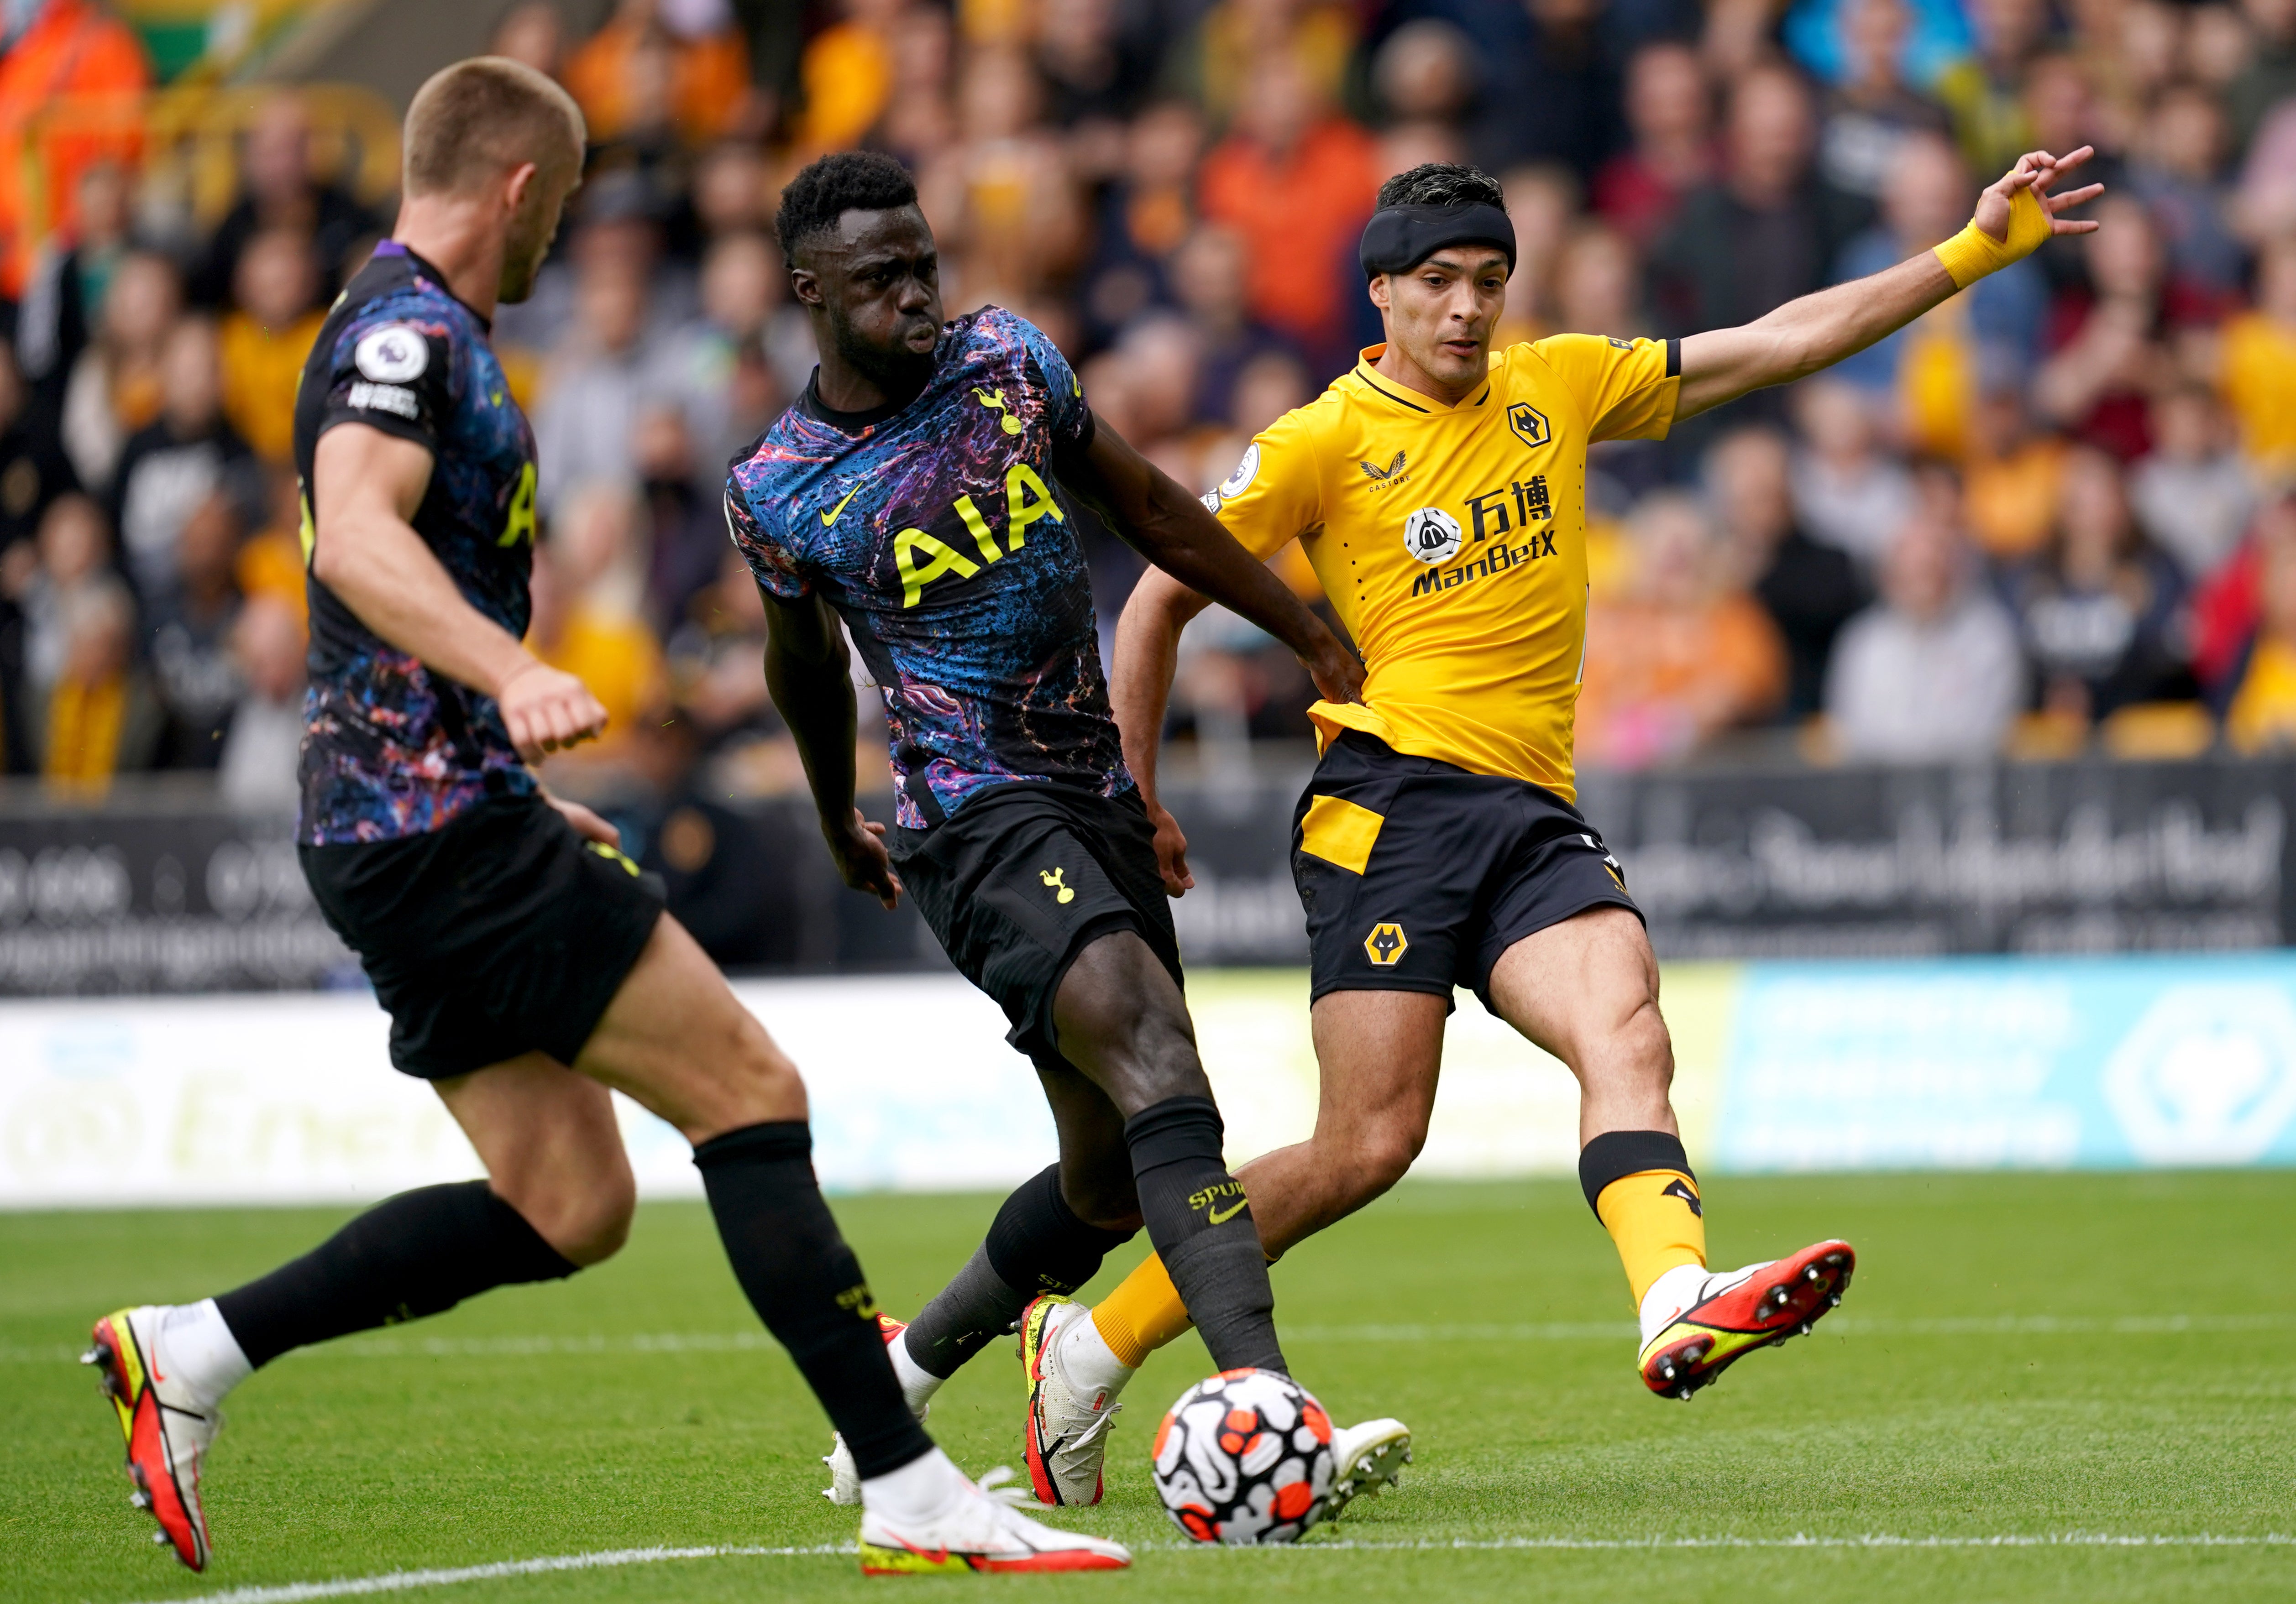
(1453, 540)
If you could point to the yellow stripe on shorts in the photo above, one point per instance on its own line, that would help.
(1339, 831)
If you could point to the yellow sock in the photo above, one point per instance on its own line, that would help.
(1657, 1220)
(1143, 1314)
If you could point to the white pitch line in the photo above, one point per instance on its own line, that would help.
(2008, 1540)
(736, 1342)
(402, 1581)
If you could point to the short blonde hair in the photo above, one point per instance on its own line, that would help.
(477, 119)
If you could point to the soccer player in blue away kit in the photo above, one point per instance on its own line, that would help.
(922, 491)
(526, 966)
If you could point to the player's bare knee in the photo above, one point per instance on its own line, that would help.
(1140, 1051)
(1380, 1159)
(584, 1216)
(597, 1231)
(1163, 1050)
(762, 1085)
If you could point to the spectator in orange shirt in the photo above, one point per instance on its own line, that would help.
(1295, 180)
(67, 47)
(613, 76)
(1684, 654)
(266, 339)
(2013, 473)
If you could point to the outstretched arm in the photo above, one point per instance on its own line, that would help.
(1142, 503)
(808, 669)
(2015, 217)
(1139, 686)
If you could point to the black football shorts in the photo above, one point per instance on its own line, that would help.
(502, 934)
(1022, 878)
(1417, 875)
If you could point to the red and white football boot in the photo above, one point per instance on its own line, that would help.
(168, 1430)
(1064, 1435)
(1698, 1325)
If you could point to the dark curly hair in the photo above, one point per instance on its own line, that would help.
(1442, 183)
(846, 180)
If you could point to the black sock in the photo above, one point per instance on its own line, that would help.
(807, 1286)
(1036, 1244)
(419, 1253)
(1203, 1227)
(1615, 1154)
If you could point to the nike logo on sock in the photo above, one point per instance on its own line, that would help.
(1216, 1216)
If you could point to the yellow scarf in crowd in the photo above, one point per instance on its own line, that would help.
(84, 734)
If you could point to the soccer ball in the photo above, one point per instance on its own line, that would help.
(1245, 1457)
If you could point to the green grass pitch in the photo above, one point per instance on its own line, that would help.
(2021, 1356)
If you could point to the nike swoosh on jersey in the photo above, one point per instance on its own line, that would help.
(830, 517)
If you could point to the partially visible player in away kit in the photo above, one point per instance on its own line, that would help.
(1438, 490)
(525, 965)
(919, 491)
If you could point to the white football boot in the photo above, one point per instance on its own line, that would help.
(1365, 1458)
(1064, 1435)
(167, 1426)
(979, 1530)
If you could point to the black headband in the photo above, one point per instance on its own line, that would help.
(1399, 238)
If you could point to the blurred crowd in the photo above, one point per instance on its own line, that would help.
(2053, 514)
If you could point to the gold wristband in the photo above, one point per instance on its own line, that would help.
(1972, 253)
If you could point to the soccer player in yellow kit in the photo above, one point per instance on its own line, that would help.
(1438, 490)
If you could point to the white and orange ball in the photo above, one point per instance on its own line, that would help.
(1245, 1457)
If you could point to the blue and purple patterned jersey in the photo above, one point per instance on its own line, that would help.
(390, 748)
(938, 532)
